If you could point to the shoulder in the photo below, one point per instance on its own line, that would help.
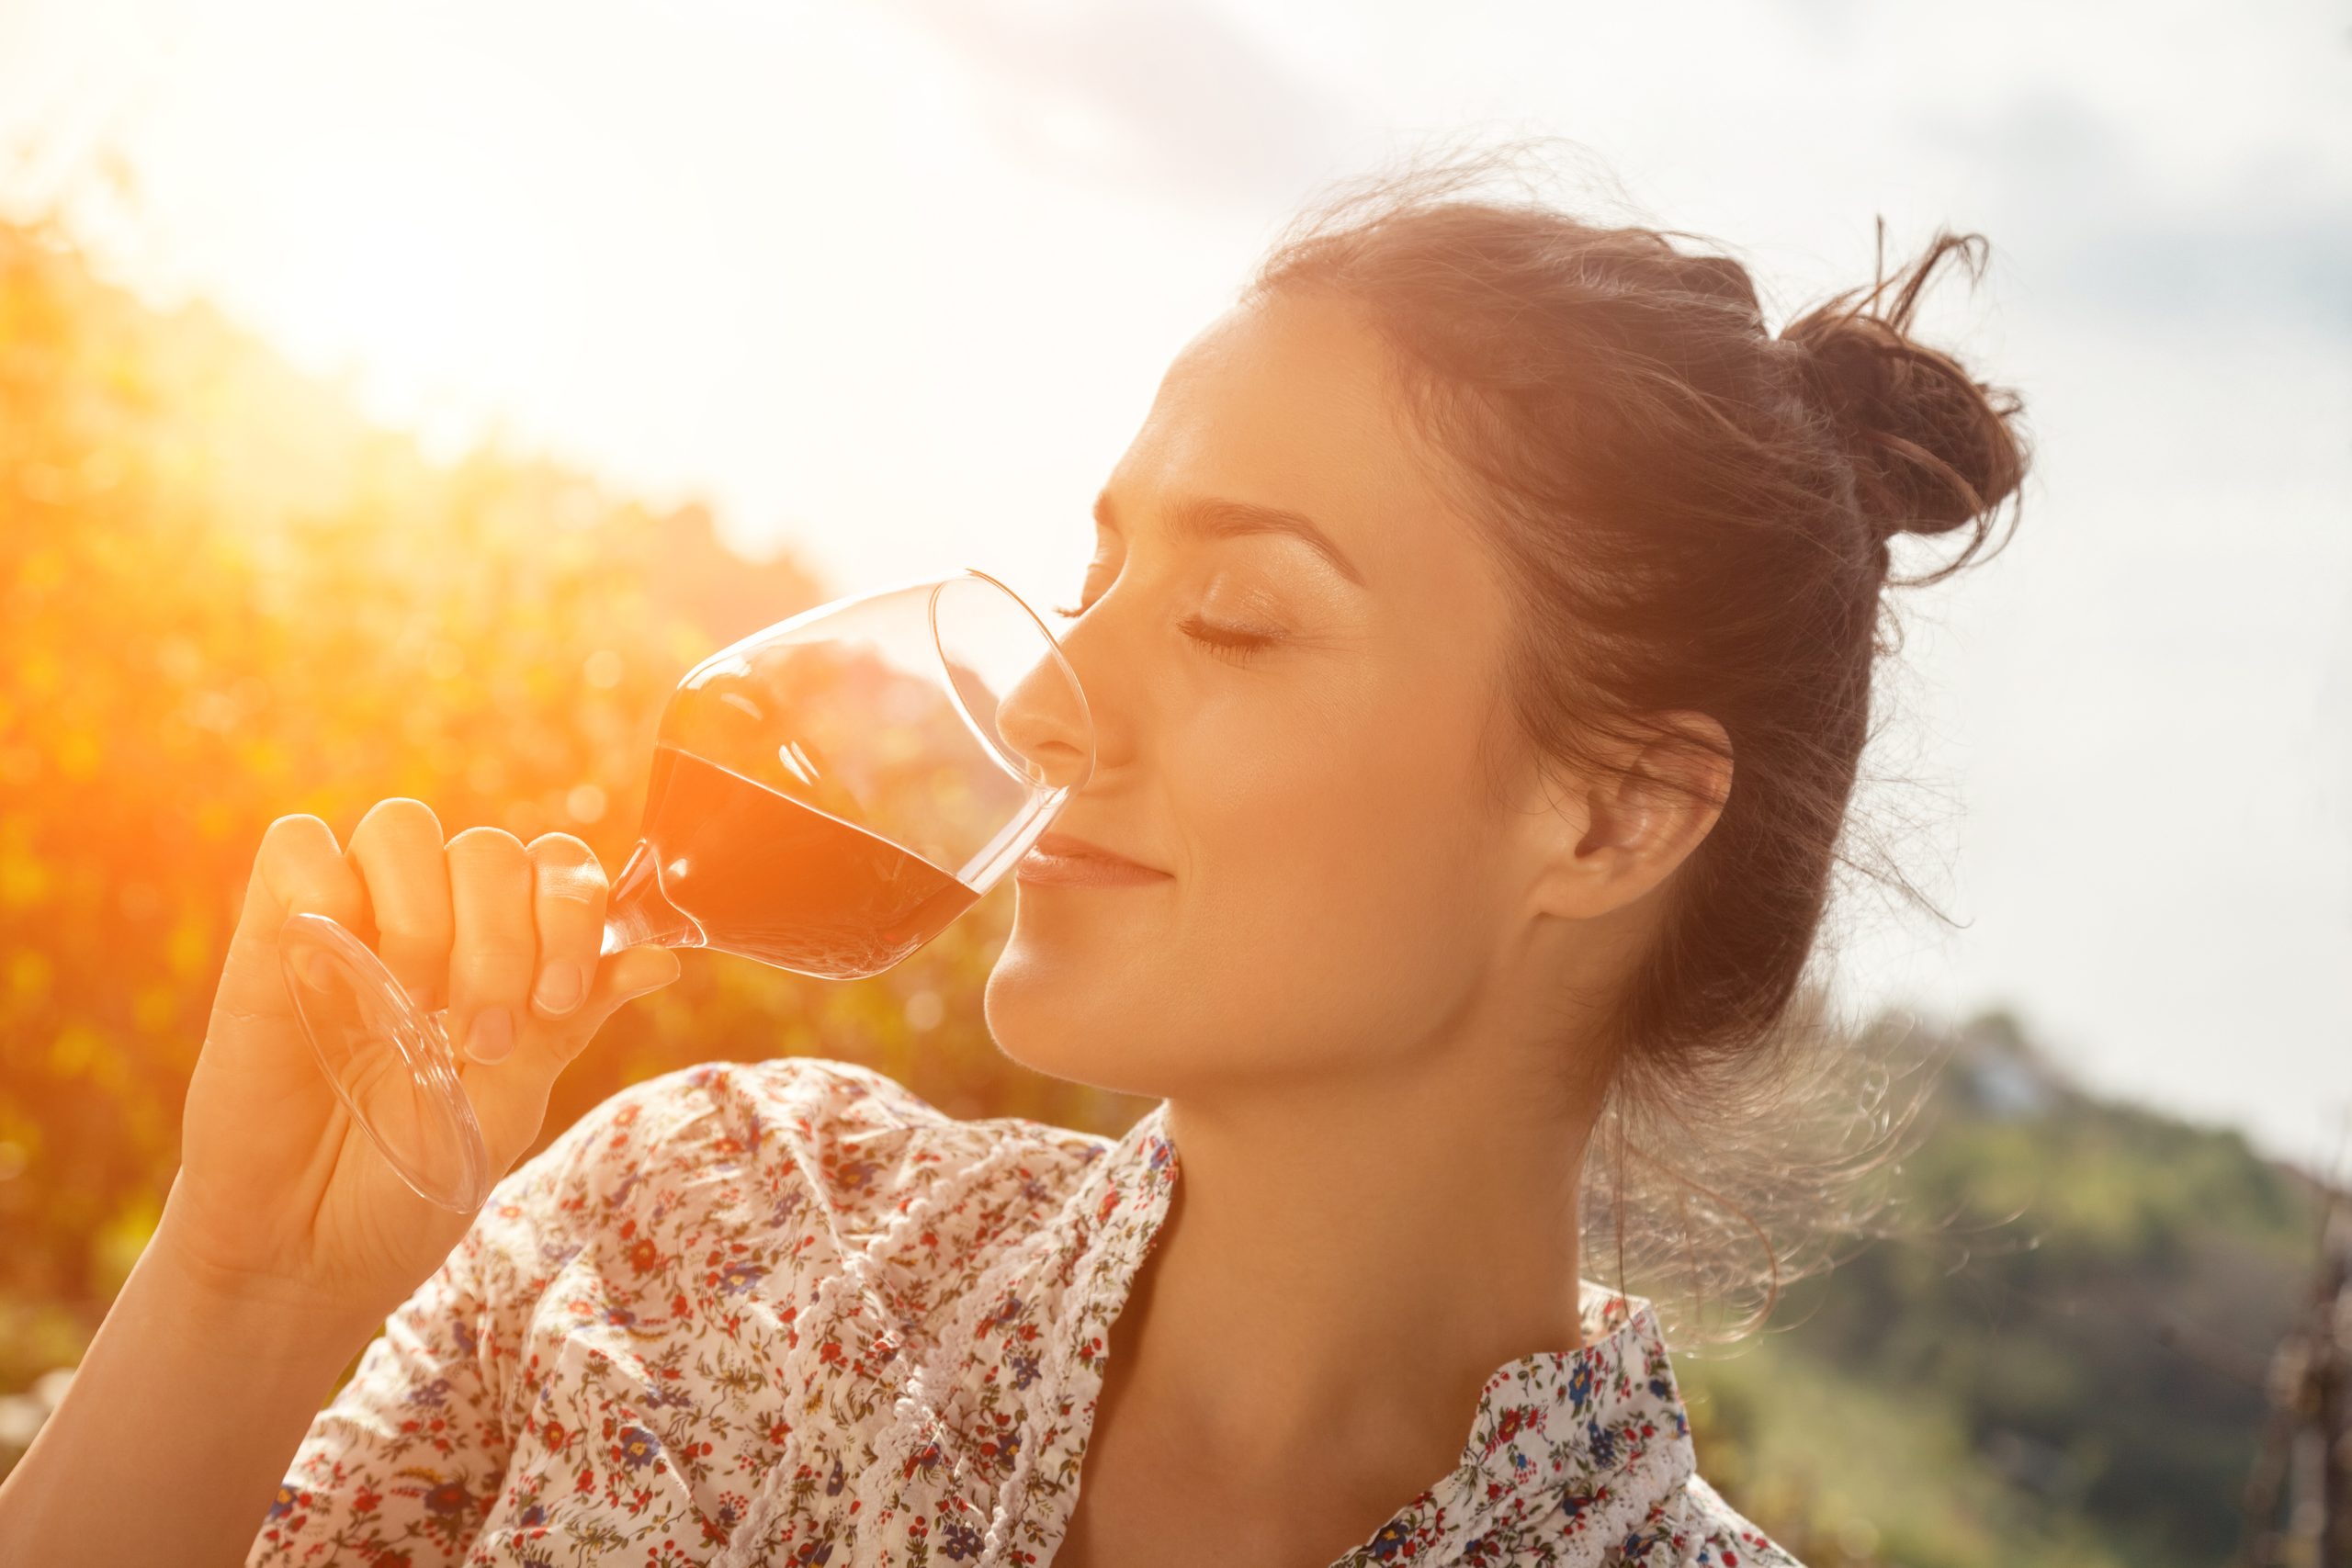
(1712, 1534)
(855, 1140)
(712, 1106)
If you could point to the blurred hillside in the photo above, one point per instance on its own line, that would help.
(2060, 1357)
(224, 597)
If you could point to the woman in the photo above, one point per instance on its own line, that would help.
(1449, 574)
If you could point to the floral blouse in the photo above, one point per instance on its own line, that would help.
(787, 1312)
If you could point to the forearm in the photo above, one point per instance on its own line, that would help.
(176, 1429)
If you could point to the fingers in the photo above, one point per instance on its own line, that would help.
(396, 849)
(627, 974)
(511, 1098)
(620, 978)
(298, 869)
(495, 956)
(507, 939)
(568, 909)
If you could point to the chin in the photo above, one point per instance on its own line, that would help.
(1037, 1014)
(1066, 1014)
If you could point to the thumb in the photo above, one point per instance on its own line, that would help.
(621, 978)
(545, 1048)
(511, 1097)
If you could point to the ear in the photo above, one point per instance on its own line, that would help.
(1601, 843)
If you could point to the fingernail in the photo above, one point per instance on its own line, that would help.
(492, 1036)
(560, 986)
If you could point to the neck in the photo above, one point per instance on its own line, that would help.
(1358, 1256)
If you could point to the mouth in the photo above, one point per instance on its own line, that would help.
(1060, 860)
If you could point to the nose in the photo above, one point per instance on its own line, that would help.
(1044, 720)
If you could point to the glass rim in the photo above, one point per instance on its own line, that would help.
(1061, 663)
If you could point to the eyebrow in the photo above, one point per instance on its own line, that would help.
(1217, 517)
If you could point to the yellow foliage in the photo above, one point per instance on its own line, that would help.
(76, 1046)
(187, 953)
(23, 881)
(28, 972)
(154, 1008)
(225, 597)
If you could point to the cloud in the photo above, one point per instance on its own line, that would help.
(2270, 239)
(1155, 93)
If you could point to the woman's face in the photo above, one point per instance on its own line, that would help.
(1287, 736)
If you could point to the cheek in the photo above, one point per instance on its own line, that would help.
(1332, 905)
(1342, 888)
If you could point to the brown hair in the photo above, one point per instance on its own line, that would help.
(1694, 514)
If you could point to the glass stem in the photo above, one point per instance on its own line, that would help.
(638, 915)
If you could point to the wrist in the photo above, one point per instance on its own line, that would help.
(200, 1387)
(256, 1313)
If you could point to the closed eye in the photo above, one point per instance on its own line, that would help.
(1228, 642)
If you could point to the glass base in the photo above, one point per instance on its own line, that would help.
(390, 1060)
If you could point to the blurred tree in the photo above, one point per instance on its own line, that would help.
(225, 597)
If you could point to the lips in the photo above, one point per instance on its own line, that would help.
(1064, 860)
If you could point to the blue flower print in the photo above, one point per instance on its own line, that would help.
(639, 1448)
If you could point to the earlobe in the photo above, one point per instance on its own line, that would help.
(1566, 844)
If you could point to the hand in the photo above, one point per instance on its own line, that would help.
(281, 1198)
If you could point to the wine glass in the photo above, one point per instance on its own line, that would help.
(825, 796)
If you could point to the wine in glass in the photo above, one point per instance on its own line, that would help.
(826, 795)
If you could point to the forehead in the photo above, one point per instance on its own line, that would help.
(1293, 403)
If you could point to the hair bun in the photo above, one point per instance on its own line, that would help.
(1933, 447)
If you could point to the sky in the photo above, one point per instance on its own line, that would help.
(894, 284)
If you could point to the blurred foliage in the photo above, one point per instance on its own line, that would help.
(224, 596)
(2056, 1359)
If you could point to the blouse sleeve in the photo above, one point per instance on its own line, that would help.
(404, 1460)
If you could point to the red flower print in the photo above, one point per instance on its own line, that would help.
(449, 1498)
